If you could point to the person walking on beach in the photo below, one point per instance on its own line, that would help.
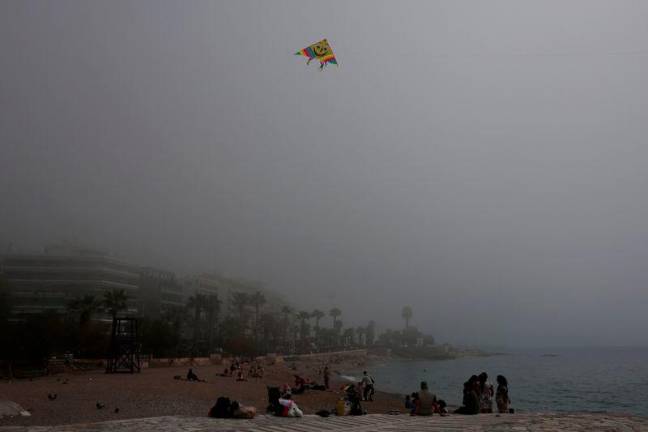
(502, 396)
(486, 393)
(327, 376)
(367, 386)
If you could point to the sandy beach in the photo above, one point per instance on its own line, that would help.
(155, 392)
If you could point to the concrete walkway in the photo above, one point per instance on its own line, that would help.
(369, 423)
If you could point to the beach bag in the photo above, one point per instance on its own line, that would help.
(340, 407)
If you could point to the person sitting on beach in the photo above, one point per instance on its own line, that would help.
(470, 397)
(415, 402)
(442, 408)
(240, 376)
(502, 396)
(259, 371)
(485, 394)
(426, 402)
(242, 412)
(300, 385)
(290, 408)
(409, 405)
(368, 387)
(191, 376)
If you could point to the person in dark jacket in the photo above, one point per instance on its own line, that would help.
(470, 397)
(501, 395)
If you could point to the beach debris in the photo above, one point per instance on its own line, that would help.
(52, 396)
(10, 409)
(99, 405)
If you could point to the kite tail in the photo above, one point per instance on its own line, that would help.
(309, 60)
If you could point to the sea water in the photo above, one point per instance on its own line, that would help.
(593, 380)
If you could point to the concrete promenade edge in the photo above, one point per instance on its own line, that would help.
(368, 423)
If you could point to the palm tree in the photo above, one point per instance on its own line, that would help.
(196, 303)
(370, 334)
(407, 315)
(271, 329)
(318, 315)
(85, 306)
(114, 302)
(240, 302)
(348, 336)
(212, 307)
(257, 300)
(302, 316)
(286, 312)
(360, 332)
(335, 313)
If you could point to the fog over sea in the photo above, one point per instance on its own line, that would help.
(575, 379)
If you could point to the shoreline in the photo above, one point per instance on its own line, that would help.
(154, 392)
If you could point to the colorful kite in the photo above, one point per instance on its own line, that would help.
(321, 51)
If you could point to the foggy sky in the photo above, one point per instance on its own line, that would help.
(484, 162)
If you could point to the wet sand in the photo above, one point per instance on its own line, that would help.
(155, 392)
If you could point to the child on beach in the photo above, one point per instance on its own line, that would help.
(409, 405)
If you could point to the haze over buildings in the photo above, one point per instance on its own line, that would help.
(484, 162)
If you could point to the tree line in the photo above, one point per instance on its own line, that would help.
(248, 326)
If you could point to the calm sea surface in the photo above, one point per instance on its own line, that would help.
(601, 380)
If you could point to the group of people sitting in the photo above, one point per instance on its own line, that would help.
(424, 402)
(237, 370)
(478, 394)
